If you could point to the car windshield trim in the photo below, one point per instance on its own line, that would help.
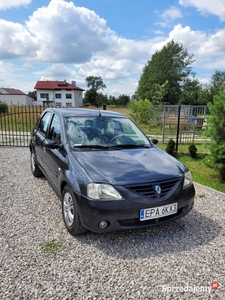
(94, 146)
(132, 146)
(111, 147)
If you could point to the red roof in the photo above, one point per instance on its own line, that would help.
(54, 85)
(8, 91)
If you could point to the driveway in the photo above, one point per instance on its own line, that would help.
(40, 260)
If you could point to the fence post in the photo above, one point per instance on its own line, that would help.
(178, 127)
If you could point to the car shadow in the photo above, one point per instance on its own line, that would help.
(194, 230)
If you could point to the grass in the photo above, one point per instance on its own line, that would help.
(52, 247)
(200, 171)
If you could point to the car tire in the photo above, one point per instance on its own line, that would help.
(33, 164)
(70, 212)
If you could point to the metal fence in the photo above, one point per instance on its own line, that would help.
(183, 123)
(17, 124)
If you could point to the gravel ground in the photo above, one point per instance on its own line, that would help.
(40, 260)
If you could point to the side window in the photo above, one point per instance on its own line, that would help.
(55, 130)
(43, 125)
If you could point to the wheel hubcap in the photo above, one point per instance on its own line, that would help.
(68, 209)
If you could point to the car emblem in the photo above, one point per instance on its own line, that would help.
(158, 189)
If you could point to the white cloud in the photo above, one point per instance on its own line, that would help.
(66, 33)
(214, 45)
(215, 7)
(6, 4)
(57, 72)
(215, 63)
(168, 16)
(16, 41)
(192, 40)
(171, 14)
(74, 42)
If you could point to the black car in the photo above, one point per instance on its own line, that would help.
(108, 173)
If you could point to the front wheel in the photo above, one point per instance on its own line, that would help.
(70, 212)
(33, 164)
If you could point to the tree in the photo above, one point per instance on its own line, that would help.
(190, 92)
(3, 108)
(169, 67)
(217, 80)
(123, 100)
(159, 93)
(205, 95)
(92, 96)
(33, 95)
(112, 100)
(216, 123)
(95, 83)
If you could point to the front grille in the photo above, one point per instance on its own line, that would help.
(148, 189)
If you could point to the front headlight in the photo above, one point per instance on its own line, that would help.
(187, 179)
(102, 192)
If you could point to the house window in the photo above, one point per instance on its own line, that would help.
(68, 104)
(68, 96)
(58, 96)
(58, 104)
(44, 95)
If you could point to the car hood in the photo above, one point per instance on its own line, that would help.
(130, 166)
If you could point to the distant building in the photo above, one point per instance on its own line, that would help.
(15, 97)
(59, 93)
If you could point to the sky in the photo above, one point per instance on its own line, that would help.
(113, 39)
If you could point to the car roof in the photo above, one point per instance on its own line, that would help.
(85, 112)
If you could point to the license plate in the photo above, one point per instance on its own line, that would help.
(158, 212)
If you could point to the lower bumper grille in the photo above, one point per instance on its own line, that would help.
(137, 223)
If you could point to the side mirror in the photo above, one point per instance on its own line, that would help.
(52, 144)
(154, 141)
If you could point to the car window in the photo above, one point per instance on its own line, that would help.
(103, 131)
(55, 130)
(44, 123)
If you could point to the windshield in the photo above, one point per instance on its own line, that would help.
(104, 132)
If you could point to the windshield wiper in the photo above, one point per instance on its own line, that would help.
(129, 146)
(89, 146)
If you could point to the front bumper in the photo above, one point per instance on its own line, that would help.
(124, 214)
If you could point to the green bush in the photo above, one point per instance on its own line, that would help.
(192, 150)
(141, 111)
(3, 108)
(171, 147)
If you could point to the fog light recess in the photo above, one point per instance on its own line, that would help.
(103, 224)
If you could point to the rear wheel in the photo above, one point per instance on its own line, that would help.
(33, 164)
(70, 212)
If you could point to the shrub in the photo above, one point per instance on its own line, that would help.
(3, 108)
(216, 122)
(170, 148)
(141, 111)
(192, 150)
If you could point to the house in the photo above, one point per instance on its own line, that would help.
(14, 97)
(59, 93)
